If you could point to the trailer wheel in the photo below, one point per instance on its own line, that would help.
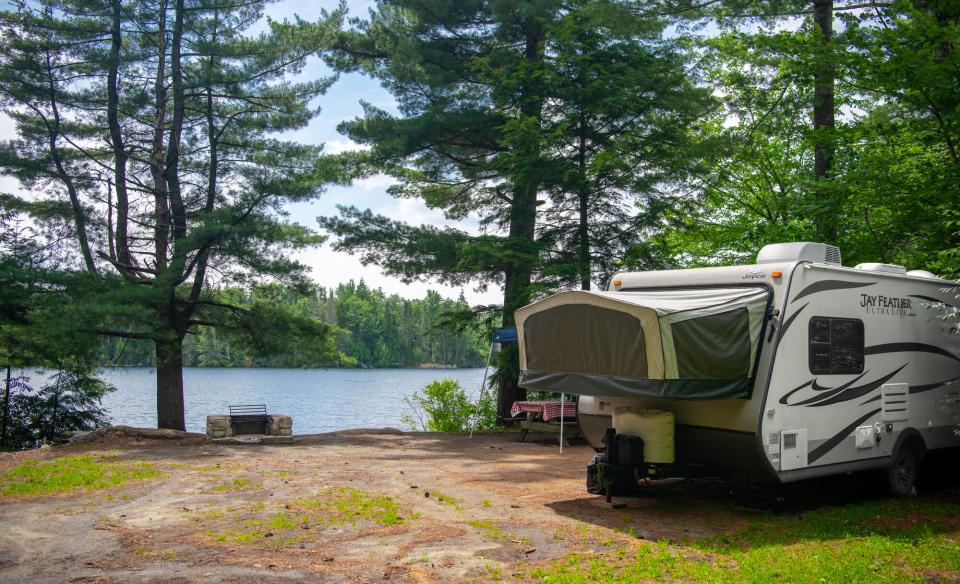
(902, 474)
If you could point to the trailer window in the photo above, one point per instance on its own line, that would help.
(836, 345)
(581, 338)
(713, 347)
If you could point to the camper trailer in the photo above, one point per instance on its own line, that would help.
(792, 368)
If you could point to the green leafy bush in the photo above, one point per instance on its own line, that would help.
(69, 400)
(443, 406)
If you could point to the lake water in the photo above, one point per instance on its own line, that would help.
(320, 400)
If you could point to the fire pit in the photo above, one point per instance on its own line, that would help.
(248, 419)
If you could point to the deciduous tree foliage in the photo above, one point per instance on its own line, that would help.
(150, 130)
(891, 191)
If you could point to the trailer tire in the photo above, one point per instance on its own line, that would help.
(904, 468)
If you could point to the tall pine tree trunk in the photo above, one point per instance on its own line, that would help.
(516, 295)
(170, 411)
(6, 410)
(583, 196)
(523, 221)
(823, 122)
(120, 156)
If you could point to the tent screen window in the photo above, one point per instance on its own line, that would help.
(836, 345)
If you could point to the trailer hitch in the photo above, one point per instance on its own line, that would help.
(615, 471)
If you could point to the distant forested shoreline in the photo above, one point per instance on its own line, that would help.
(372, 329)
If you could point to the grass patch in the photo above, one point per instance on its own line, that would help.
(145, 552)
(448, 500)
(72, 473)
(299, 520)
(491, 530)
(236, 485)
(494, 574)
(494, 532)
(349, 505)
(913, 540)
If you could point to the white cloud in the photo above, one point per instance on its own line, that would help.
(341, 145)
(377, 182)
(330, 268)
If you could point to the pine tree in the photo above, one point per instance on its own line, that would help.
(150, 127)
(623, 116)
(467, 77)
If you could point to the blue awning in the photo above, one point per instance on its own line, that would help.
(505, 335)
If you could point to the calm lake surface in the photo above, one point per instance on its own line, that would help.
(320, 400)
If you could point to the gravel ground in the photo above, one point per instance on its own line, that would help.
(462, 510)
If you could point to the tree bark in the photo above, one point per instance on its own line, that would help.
(6, 410)
(169, 347)
(161, 202)
(583, 196)
(522, 237)
(53, 131)
(823, 122)
(116, 139)
(172, 170)
(170, 411)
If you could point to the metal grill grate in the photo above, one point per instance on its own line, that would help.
(248, 419)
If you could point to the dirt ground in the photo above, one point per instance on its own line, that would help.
(464, 509)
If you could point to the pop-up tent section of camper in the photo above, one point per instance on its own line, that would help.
(681, 343)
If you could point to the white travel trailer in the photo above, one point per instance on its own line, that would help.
(792, 368)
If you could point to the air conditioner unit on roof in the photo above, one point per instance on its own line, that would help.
(820, 253)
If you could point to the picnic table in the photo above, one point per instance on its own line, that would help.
(548, 410)
(549, 414)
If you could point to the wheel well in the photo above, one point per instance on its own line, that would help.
(911, 438)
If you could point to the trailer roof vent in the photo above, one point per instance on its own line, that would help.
(878, 267)
(799, 250)
(923, 274)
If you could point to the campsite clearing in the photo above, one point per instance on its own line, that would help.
(420, 507)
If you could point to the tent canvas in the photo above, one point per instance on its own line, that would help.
(505, 335)
(694, 343)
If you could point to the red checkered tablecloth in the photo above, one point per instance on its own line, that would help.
(548, 410)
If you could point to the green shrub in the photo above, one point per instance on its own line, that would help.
(443, 406)
(69, 400)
